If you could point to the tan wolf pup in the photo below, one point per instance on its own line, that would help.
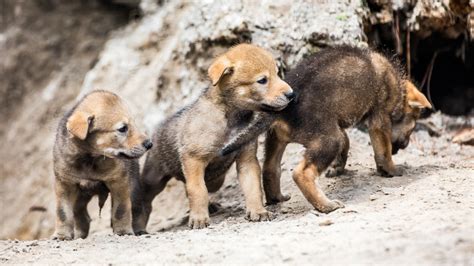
(244, 84)
(96, 151)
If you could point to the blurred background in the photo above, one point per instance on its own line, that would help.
(155, 53)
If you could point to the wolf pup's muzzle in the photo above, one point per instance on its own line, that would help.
(134, 153)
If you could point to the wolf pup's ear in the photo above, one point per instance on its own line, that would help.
(78, 124)
(415, 98)
(218, 69)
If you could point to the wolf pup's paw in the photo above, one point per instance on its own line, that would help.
(277, 199)
(258, 216)
(395, 171)
(334, 171)
(141, 232)
(198, 221)
(330, 206)
(62, 236)
(123, 232)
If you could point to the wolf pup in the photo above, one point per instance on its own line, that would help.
(244, 83)
(96, 151)
(337, 88)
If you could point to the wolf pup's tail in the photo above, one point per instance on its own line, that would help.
(260, 123)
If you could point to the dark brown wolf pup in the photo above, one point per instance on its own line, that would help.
(336, 89)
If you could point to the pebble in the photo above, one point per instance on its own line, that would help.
(326, 223)
(350, 211)
(33, 244)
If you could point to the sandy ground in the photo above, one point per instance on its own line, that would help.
(423, 217)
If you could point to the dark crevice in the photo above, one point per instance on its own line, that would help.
(451, 85)
(452, 77)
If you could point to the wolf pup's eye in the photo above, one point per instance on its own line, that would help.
(123, 129)
(263, 80)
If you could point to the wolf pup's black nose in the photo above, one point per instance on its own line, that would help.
(147, 144)
(290, 95)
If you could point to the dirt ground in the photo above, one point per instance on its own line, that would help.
(425, 216)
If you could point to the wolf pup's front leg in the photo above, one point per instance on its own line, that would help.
(249, 172)
(196, 189)
(66, 194)
(121, 206)
(380, 134)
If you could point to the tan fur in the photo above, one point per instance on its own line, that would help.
(248, 171)
(220, 68)
(78, 124)
(92, 157)
(193, 170)
(415, 98)
(305, 175)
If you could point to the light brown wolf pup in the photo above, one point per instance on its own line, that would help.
(244, 83)
(337, 88)
(96, 151)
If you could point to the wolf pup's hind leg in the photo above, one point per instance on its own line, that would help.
(319, 154)
(337, 167)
